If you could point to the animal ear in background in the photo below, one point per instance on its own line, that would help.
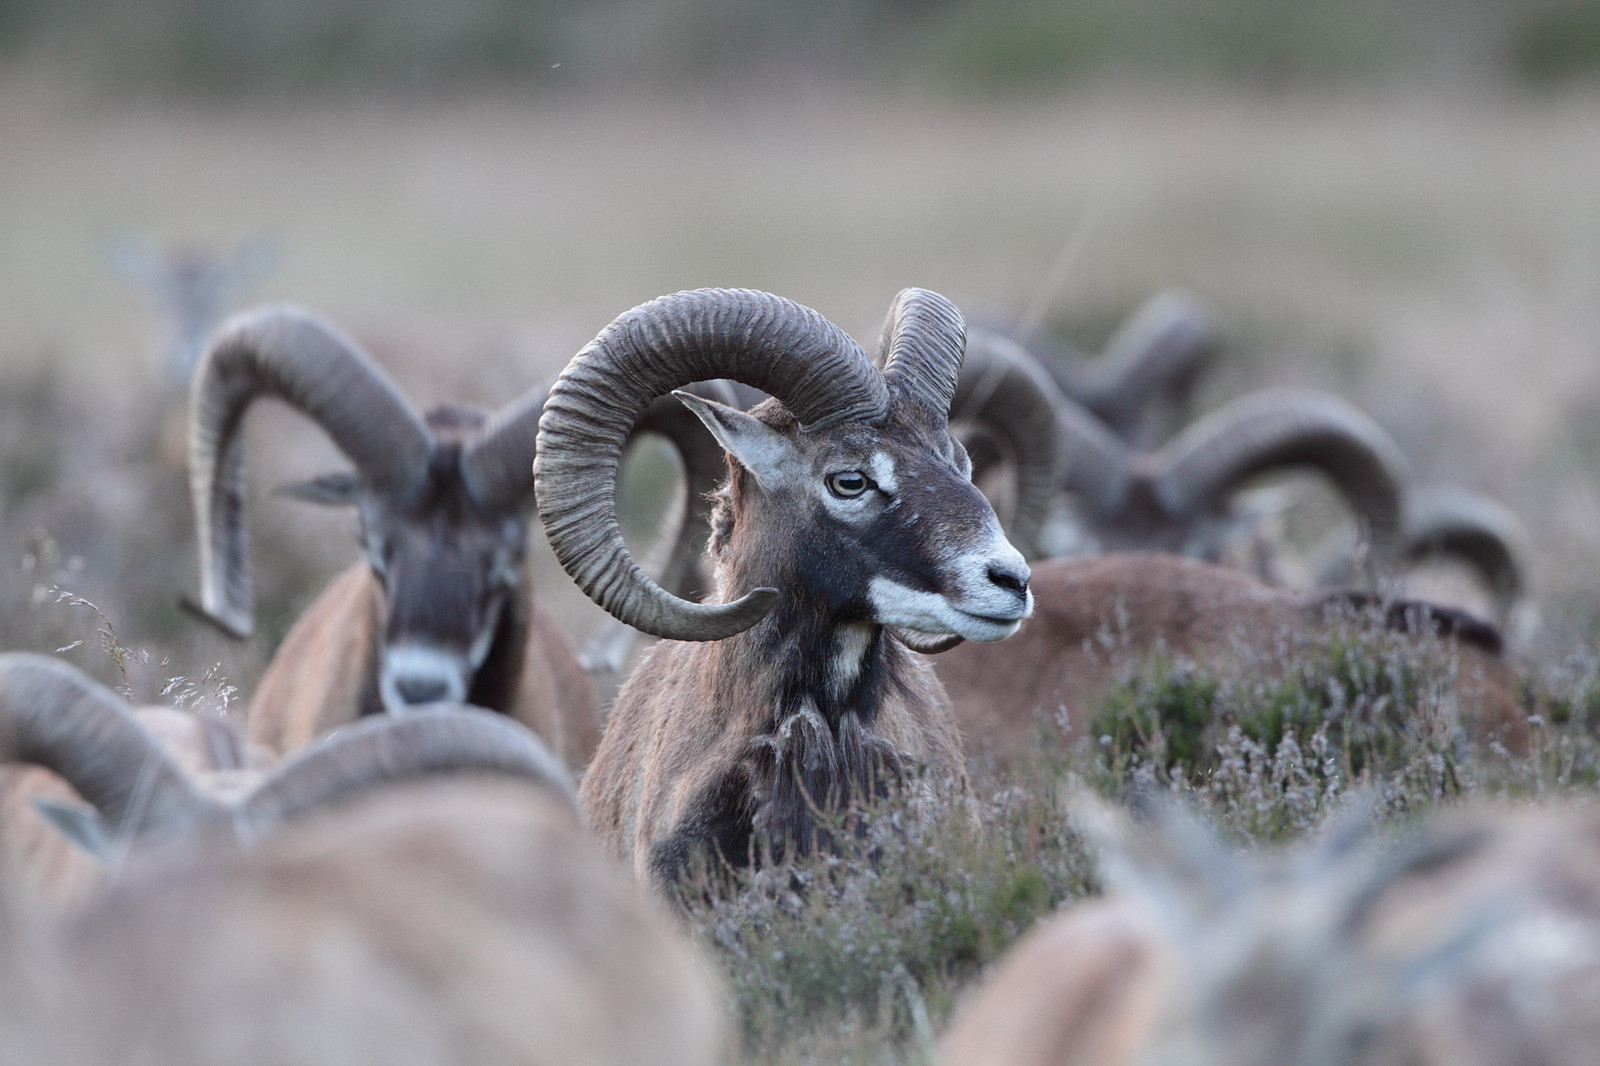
(78, 823)
(760, 449)
(342, 489)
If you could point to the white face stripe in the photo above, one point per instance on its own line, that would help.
(973, 605)
(881, 468)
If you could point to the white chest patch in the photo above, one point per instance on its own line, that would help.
(851, 652)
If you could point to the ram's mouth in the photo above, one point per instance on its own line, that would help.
(999, 620)
(984, 627)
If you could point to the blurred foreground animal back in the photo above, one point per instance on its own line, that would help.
(1474, 940)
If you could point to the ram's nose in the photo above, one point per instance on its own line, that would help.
(1013, 577)
(413, 676)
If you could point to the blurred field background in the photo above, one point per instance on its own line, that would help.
(1396, 202)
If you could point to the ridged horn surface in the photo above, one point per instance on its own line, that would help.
(384, 749)
(55, 716)
(773, 344)
(923, 340)
(1284, 428)
(497, 464)
(292, 355)
(1004, 389)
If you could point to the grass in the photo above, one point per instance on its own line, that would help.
(860, 956)
(839, 957)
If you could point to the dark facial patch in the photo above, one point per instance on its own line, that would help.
(451, 572)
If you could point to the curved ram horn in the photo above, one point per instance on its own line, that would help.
(1094, 463)
(1282, 428)
(53, 715)
(705, 464)
(1480, 532)
(923, 339)
(774, 344)
(497, 464)
(290, 354)
(674, 553)
(1153, 361)
(1004, 389)
(383, 749)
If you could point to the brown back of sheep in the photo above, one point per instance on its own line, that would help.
(1095, 617)
(1473, 941)
(446, 922)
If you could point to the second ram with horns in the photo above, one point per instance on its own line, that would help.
(848, 510)
(441, 607)
(1173, 498)
(1183, 494)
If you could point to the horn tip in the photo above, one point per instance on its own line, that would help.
(237, 625)
(926, 643)
(740, 615)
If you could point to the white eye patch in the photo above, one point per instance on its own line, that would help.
(881, 468)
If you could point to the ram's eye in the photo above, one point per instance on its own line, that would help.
(846, 484)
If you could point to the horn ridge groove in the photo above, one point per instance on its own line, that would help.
(764, 341)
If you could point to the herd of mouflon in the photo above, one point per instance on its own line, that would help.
(990, 684)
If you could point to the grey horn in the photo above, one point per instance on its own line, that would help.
(773, 344)
(1142, 382)
(303, 361)
(497, 464)
(55, 716)
(1004, 390)
(1480, 532)
(1279, 428)
(1094, 463)
(923, 340)
(384, 749)
(704, 466)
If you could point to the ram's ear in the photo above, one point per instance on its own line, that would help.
(79, 823)
(330, 490)
(763, 451)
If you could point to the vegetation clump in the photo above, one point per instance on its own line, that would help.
(860, 955)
